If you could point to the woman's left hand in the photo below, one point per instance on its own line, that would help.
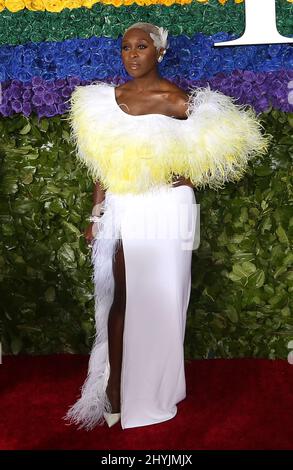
(179, 181)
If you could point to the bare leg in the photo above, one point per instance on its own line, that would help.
(115, 330)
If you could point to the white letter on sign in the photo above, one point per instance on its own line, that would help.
(260, 25)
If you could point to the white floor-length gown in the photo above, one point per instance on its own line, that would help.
(157, 230)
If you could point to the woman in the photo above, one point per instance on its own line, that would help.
(146, 144)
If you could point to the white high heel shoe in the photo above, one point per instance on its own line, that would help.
(112, 418)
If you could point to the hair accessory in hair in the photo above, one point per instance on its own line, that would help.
(160, 39)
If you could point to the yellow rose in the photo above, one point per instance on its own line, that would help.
(2, 5)
(222, 2)
(142, 3)
(14, 5)
(117, 3)
(168, 3)
(129, 2)
(185, 2)
(35, 5)
(202, 1)
(89, 3)
(238, 1)
(53, 5)
(72, 4)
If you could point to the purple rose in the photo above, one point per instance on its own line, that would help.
(60, 83)
(16, 106)
(66, 91)
(5, 110)
(16, 82)
(73, 81)
(27, 94)
(260, 77)
(248, 75)
(49, 85)
(37, 100)
(263, 103)
(48, 98)
(16, 92)
(39, 90)
(58, 98)
(26, 108)
(246, 86)
(36, 81)
(51, 110)
(62, 108)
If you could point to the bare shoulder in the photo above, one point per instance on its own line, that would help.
(177, 100)
(121, 88)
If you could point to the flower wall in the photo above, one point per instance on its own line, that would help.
(242, 273)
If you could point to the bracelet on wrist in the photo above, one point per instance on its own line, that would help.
(94, 218)
(96, 211)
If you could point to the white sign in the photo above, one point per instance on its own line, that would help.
(260, 25)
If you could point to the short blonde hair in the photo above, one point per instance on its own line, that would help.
(158, 34)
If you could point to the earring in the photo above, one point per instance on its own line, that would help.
(162, 56)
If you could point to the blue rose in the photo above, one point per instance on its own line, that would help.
(28, 57)
(220, 37)
(2, 73)
(83, 58)
(49, 75)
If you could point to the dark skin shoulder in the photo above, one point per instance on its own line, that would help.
(175, 100)
(167, 99)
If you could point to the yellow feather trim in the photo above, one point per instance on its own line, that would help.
(134, 154)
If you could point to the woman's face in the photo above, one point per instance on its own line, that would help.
(139, 54)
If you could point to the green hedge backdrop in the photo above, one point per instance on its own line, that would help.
(242, 283)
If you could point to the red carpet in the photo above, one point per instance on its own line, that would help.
(230, 404)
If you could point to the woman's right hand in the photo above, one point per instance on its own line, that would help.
(88, 233)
